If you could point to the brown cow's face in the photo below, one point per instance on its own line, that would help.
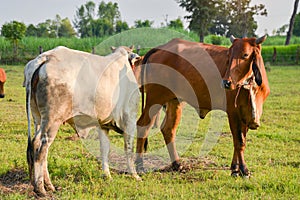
(132, 57)
(242, 56)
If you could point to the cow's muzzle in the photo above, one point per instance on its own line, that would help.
(226, 84)
(2, 95)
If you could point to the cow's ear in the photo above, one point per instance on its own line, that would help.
(256, 71)
(131, 47)
(113, 48)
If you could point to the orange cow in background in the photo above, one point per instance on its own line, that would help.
(2, 81)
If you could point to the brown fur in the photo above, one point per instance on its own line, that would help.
(176, 66)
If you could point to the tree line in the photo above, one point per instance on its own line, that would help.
(218, 17)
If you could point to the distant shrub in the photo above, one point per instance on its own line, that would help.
(216, 40)
(288, 55)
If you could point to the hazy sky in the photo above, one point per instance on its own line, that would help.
(36, 11)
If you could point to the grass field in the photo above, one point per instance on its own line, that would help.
(272, 154)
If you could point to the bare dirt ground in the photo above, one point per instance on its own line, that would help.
(15, 181)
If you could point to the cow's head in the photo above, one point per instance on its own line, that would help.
(2, 81)
(244, 60)
(132, 57)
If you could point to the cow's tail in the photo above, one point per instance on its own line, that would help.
(29, 84)
(143, 75)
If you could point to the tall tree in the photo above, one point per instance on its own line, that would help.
(90, 9)
(55, 25)
(31, 30)
(66, 29)
(296, 30)
(202, 14)
(84, 15)
(291, 25)
(141, 24)
(14, 32)
(176, 24)
(109, 11)
(121, 26)
(241, 17)
(220, 24)
(88, 25)
(43, 29)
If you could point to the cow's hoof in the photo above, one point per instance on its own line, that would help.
(246, 175)
(106, 176)
(235, 174)
(176, 166)
(49, 187)
(40, 193)
(140, 170)
(137, 177)
(139, 166)
(244, 172)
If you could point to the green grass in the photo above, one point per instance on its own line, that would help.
(272, 154)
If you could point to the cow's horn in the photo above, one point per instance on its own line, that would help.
(232, 38)
(261, 39)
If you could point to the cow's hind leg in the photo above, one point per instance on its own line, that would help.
(169, 126)
(41, 143)
(51, 136)
(104, 150)
(144, 124)
(128, 148)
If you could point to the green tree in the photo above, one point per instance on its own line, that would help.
(14, 32)
(101, 27)
(66, 29)
(203, 12)
(176, 24)
(121, 26)
(282, 30)
(88, 25)
(241, 21)
(31, 30)
(296, 30)
(220, 24)
(84, 16)
(46, 29)
(142, 24)
(109, 11)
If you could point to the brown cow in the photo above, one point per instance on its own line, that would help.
(187, 71)
(2, 81)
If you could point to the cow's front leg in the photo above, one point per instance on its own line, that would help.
(235, 170)
(238, 165)
(128, 148)
(104, 150)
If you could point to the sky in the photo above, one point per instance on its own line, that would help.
(36, 11)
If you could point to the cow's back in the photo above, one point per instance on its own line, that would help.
(192, 71)
(83, 84)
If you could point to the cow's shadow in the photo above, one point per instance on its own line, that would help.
(187, 164)
(15, 181)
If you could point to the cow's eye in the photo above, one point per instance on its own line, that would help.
(245, 56)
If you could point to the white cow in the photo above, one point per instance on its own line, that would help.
(86, 90)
